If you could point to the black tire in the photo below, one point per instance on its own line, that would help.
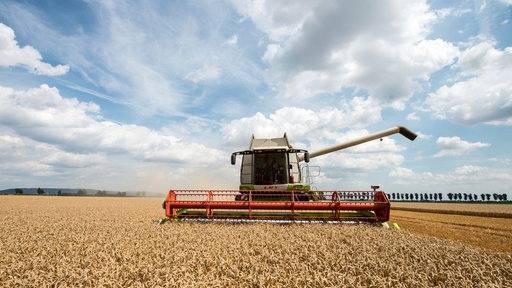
(302, 197)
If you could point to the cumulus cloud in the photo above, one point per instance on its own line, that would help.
(27, 57)
(454, 146)
(30, 163)
(23, 158)
(462, 176)
(484, 93)
(43, 115)
(339, 44)
(409, 174)
(363, 161)
(303, 123)
(278, 19)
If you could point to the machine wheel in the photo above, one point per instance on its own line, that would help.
(241, 197)
(302, 197)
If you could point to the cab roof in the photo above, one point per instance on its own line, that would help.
(269, 143)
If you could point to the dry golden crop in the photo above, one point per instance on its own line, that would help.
(115, 242)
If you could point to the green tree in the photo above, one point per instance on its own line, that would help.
(101, 193)
(82, 192)
(18, 191)
(40, 191)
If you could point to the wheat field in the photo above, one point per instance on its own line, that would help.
(115, 242)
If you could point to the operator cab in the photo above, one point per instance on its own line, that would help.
(270, 164)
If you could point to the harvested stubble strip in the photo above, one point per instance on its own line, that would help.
(457, 212)
(97, 245)
(471, 208)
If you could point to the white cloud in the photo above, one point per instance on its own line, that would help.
(504, 161)
(233, 40)
(469, 178)
(45, 134)
(206, 72)
(362, 160)
(339, 44)
(454, 146)
(423, 136)
(409, 174)
(277, 18)
(24, 157)
(43, 115)
(27, 57)
(484, 93)
(303, 123)
(413, 117)
(468, 170)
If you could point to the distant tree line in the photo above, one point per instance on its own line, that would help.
(466, 197)
(80, 192)
(19, 191)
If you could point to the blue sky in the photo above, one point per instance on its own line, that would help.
(153, 95)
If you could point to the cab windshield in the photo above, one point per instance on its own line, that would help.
(270, 168)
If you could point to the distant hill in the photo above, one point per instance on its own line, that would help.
(77, 192)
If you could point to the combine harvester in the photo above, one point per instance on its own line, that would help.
(276, 186)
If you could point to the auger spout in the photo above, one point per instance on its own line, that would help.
(398, 129)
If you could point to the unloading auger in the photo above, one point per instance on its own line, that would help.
(276, 186)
